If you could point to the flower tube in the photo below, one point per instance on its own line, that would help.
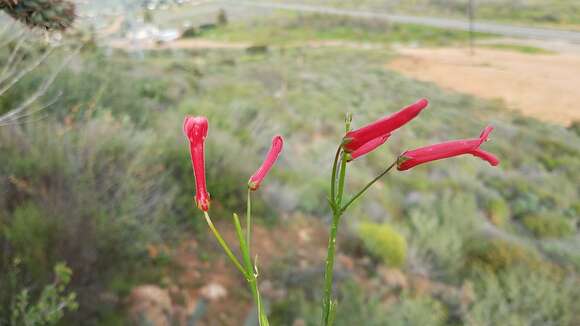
(195, 128)
(367, 147)
(356, 138)
(271, 157)
(410, 159)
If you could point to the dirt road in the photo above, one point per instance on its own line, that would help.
(543, 86)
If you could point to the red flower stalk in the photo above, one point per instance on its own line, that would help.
(195, 128)
(271, 157)
(435, 152)
(367, 147)
(356, 138)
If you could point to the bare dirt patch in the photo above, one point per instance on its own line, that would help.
(546, 87)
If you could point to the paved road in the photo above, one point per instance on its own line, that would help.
(456, 24)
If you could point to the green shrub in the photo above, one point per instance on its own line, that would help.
(575, 127)
(565, 252)
(524, 296)
(359, 307)
(417, 311)
(222, 17)
(383, 243)
(496, 255)
(30, 234)
(575, 209)
(90, 196)
(451, 217)
(498, 211)
(548, 226)
(190, 32)
(355, 307)
(51, 304)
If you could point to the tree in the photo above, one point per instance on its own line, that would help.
(46, 14)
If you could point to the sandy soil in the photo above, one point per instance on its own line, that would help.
(543, 86)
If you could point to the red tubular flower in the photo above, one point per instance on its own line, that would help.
(435, 152)
(271, 157)
(195, 128)
(357, 138)
(367, 147)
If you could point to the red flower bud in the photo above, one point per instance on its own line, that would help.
(356, 138)
(367, 147)
(271, 157)
(195, 128)
(435, 152)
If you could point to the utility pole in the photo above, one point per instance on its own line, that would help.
(471, 14)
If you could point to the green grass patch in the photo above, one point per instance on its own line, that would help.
(496, 255)
(289, 29)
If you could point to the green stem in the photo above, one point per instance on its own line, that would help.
(360, 193)
(253, 281)
(347, 121)
(224, 245)
(329, 269)
(328, 306)
(333, 177)
(249, 222)
(251, 275)
(341, 179)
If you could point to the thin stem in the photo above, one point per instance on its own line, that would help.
(329, 269)
(251, 275)
(262, 319)
(243, 243)
(326, 301)
(328, 306)
(360, 193)
(333, 177)
(347, 121)
(224, 245)
(341, 179)
(249, 222)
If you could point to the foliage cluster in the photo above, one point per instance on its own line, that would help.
(546, 226)
(384, 243)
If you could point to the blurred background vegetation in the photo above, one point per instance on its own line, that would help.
(535, 12)
(96, 212)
